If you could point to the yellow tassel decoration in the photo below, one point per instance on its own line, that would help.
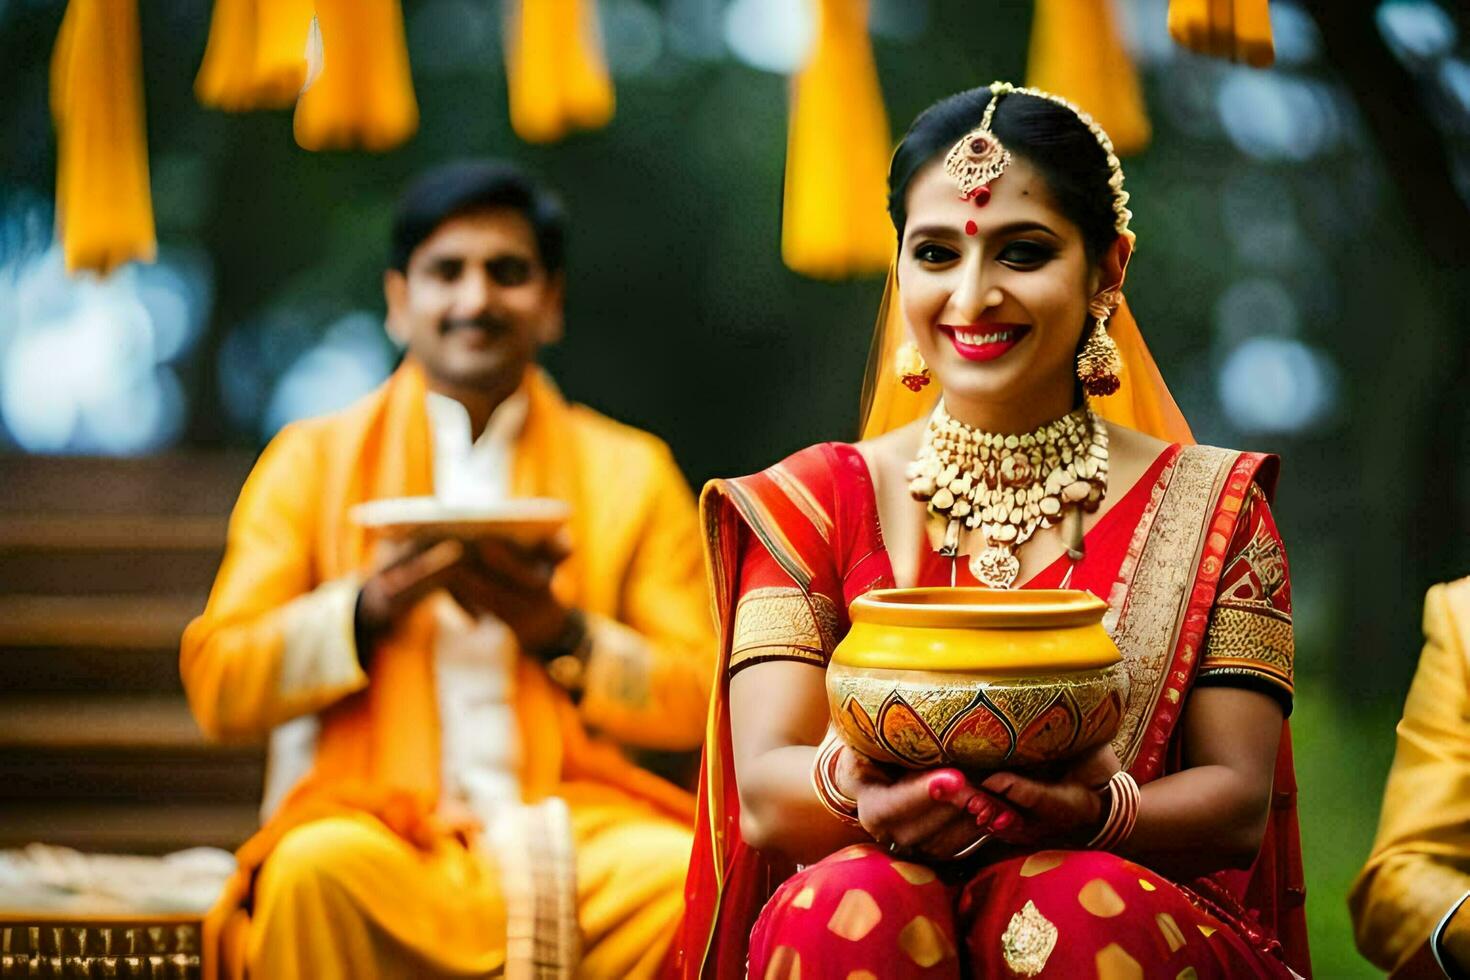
(1077, 53)
(555, 69)
(256, 54)
(835, 218)
(1236, 29)
(104, 210)
(364, 97)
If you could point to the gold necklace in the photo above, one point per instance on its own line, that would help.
(1007, 486)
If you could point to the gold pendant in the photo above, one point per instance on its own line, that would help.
(995, 567)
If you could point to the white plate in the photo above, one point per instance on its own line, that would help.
(524, 520)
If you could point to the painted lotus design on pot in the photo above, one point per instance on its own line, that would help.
(976, 678)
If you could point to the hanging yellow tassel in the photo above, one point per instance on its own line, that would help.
(555, 69)
(363, 98)
(1077, 53)
(104, 211)
(1235, 29)
(835, 216)
(255, 57)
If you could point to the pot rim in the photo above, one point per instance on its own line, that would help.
(978, 608)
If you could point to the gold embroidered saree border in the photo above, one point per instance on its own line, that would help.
(1153, 613)
(1255, 642)
(783, 624)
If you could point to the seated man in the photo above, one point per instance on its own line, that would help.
(435, 802)
(1408, 904)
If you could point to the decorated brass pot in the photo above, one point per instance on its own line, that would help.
(976, 678)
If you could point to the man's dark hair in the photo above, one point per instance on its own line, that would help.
(453, 189)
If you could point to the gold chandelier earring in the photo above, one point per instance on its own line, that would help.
(910, 367)
(1099, 364)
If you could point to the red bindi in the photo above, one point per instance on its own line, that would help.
(982, 195)
(971, 228)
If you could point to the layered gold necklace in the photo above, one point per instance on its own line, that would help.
(1007, 486)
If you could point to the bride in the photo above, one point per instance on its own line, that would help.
(1017, 435)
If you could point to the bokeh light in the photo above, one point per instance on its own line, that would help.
(1277, 386)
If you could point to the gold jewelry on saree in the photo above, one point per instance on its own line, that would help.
(910, 367)
(824, 781)
(1007, 486)
(979, 157)
(1099, 364)
(1123, 799)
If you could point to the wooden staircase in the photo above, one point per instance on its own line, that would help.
(102, 563)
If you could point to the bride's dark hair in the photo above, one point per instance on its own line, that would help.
(1048, 135)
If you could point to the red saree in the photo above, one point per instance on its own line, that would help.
(1192, 568)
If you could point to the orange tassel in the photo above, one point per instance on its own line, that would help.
(364, 97)
(1077, 53)
(1236, 29)
(555, 69)
(104, 209)
(256, 54)
(835, 217)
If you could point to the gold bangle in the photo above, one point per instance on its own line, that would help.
(1124, 797)
(824, 782)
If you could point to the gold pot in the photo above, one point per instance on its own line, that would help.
(976, 678)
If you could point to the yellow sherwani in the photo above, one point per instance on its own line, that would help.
(365, 869)
(1420, 866)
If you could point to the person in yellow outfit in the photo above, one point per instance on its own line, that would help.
(1409, 903)
(444, 796)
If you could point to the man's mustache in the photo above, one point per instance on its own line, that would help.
(486, 322)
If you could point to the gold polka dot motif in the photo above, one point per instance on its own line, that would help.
(1041, 862)
(785, 964)
(856, 916)
(1099, 898)
(1173, 935)
(914, 874)
(1114, 963)
(924, 942)
(804, 898)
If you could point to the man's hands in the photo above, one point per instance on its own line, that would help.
(486, 577)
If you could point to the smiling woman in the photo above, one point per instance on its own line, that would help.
(1159, 854)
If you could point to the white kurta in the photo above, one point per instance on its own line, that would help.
(473, 659)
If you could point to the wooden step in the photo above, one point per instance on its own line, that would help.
(129, 828)
(111, 532)
(100, 555)
(92, 723)
(215, 774)
(94, 670)
(106, 621)
(199, 484)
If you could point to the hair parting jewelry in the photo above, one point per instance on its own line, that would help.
(824, 781)
(979, 157)
(1123, 799)
(1007, 486)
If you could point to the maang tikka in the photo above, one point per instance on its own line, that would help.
(979, 157)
